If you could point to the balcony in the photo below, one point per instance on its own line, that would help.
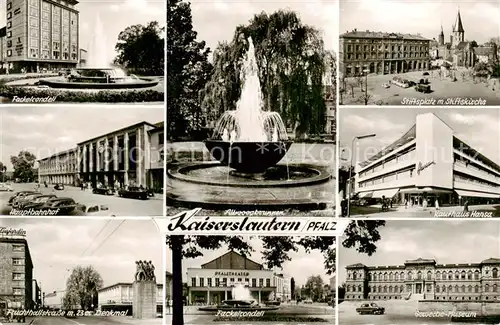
(476, 187)
(472, 171)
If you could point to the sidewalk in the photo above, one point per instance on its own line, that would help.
(130, 320)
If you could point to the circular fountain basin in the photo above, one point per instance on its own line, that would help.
(231, 308)
(248, 157)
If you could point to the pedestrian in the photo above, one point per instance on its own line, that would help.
(466, 206)
(343, 206)
(167, 304)
(424, 203)
(436, 203)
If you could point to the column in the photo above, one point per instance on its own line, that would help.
(225, 295)
(78, 159)
(115, 153)
(208, 297)
(106, 160)
(98, 152)
(91, 158)
(260, 297)
(84, 158)
(139, 152)
(126, 157)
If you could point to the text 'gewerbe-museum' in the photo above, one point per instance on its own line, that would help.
(424, 279)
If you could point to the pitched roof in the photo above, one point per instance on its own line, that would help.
(355, 266)
(421, 261)
(458, 27)
(491, 260)
(371, 34)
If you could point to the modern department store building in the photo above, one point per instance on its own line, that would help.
(430, 162)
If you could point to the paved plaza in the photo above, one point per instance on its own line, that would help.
(419, 212)
(442, 88)
(117, 206)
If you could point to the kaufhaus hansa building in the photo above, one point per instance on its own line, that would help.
(425, 279)
(429, 162)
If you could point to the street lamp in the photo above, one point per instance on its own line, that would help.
(366, 71)
(351, 167)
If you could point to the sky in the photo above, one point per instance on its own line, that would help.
(435, 239)
(115, 15)
(479, 17)
(46, 130)
(478, 127)
(300, 267)
(216, 20)
(58, 245)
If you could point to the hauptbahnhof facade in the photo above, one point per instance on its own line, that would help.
(424, 279)
(131, 155)
(429, 162)
(231, 276)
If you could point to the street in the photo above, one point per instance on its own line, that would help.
(93, 320)
(117, 206)
(442, 88)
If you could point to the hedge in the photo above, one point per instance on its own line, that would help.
(103, 96)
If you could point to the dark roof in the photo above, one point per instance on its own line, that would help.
(117, 131)
(421, 261)
(491, 260)
(59, 154)
(233, 252)
(462, 45)
(160, 127)
(355, 266)
(371, 34)
(3, 31)
(458, 27)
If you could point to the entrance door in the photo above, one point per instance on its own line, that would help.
(418, 288)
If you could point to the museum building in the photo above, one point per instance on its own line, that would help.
(427, 163)
(370, 52)
(41, 34)
(233, 276)
(17, 286)
(424, 279)
(131, 155)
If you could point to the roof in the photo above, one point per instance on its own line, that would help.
(232, 252)
(60, 153)
(382, 35)
(159, 127)
(491, 260)
(484, 50)
(462, 45)
(126, 284)
(464, 147)
(458, 27)
(421, 261)
(355, 266)
(117, 131)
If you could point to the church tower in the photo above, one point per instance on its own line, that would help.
(441, 36)
(458, 30)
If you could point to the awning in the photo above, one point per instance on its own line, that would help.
(365, 195)
(385, 193)
(477, 194)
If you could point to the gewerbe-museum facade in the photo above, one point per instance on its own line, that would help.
(424, 279)
(233, 276)
(429, 162)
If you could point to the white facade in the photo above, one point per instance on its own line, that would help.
(54, 300)
(429, 160)
(123, 294)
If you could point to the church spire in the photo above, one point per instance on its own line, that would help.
(458, 27)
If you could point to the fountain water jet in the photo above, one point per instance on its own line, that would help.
(257, 137)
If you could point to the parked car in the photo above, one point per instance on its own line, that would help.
(133, 192)
(386, 85)
(425, 73)
(64, 205)
(95, 210)
(423, 88)
(21, 200)
(59, 187)
(370, 309)
(308, 301)
(4, 187)
(272, 303)
(37, 202)
(103, 190)
(17, 195)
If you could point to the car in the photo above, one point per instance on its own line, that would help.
(64, 205)
(17, 195)
(4, 187)
(133, 192)
(423, 88)
(95, 209)
(370, 308)
(37, 202)
(103, 190)
(386, 85)
(308, 301)
(425, 73)
(59, 187)
(21, 200)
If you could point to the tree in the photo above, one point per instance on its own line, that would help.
(292, 65)
(188, 70)
(141, 49)
(292, 286)
(24, 164)
(3, 170)
(82, 287)
(341, 292)
(275, 252)
(314, 287)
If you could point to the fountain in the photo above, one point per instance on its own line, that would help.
(258, 138)
(242, 301)
(247, 147)
(99, 74)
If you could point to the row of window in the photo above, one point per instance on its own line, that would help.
(224, 282)
(388, 178)
(394, 55)
(439, 289)
(489, 175)
(437, 298)
(380, 47)
(463, 275)
(401, 157)
(385, 40)
(486, 185)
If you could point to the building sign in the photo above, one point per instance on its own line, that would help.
(232, 273)
(11, 232)
(19, 49)
(421, 166)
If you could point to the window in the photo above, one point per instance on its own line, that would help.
(9, 34)
(429, 275)
(9, 52)
(217, 282)
(17, 261)
(419, 275)
(17, 291)
(17, 276)
(495, 273)
(9, 24)
(462, 275)
(354, 275)
(18, 248)
(268, 283)
(476, 275)
(193, 282)
(9, 5)
(9, 15)
(202, 282)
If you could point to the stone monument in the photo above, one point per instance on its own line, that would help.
(144, 304)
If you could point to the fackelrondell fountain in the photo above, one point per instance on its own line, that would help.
(251, 169)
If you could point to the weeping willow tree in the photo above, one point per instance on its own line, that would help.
(292, 64)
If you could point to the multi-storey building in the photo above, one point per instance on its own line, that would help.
(429, 162)
(362, 52)
(54, 300)
(120, 296)
(331, 111)
(230, 276)
(42, 34)
(424, 279)
(131, 155)
(16, 271)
